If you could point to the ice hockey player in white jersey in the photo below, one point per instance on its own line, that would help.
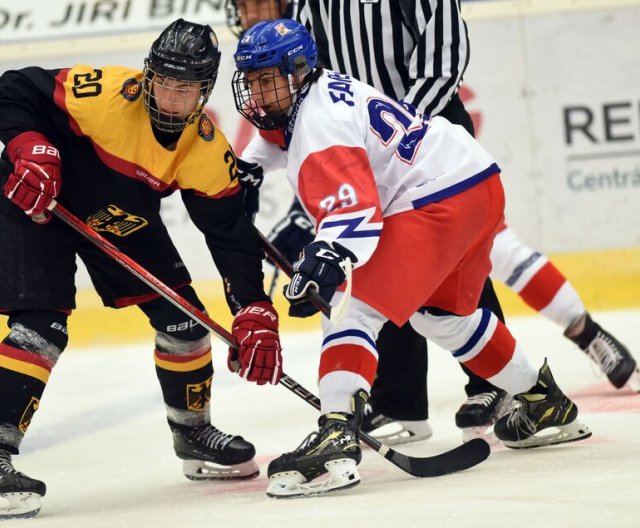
(526, 271)
(414, 203)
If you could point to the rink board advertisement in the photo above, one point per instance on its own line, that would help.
(553, 95)
(29, 20)
(558, 98)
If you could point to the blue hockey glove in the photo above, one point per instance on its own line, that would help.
(292, 233)
(320, 268)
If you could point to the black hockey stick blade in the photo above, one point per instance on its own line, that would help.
(459, 458)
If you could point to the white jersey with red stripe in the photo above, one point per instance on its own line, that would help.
(356, 156)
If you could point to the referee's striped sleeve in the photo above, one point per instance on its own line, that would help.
(440, 57)
(416, 50)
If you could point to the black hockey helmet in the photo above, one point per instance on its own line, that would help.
(184, 52)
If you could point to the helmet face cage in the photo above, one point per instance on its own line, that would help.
(182, 101)
(248, 96)
(179, 74)
(233, 17)
(269, 50)
(253, 11)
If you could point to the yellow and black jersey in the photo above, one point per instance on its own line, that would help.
(115, 172)
(105, 105)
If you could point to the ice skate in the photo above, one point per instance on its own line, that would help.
(480, 412)
(334, 449)
(19, 494)
(210, 454)
(543, 406)
(611, 356)
(390, 431)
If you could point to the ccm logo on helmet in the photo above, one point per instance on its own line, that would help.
(294, 50)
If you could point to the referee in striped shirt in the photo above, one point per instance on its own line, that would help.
(415, 51)
(411, 50)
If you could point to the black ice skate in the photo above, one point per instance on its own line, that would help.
(390, 431)
(543, 406)
(478, 414)
(611, 356)
(19, 495)
(210, 454)
(334, 449)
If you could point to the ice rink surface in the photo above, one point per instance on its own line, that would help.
(101, 443)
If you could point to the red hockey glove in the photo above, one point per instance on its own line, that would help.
(35, 179)
(259, 353)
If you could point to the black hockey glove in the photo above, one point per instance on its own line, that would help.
(320, 268)
(250, 176)
(292, 233)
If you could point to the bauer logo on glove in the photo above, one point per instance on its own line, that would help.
(35, 180)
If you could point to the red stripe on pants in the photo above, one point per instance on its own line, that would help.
(543, 287)
(352, 358)
(495, 355)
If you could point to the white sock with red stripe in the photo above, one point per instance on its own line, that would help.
(532, 276)
(349, 357)
(484, 344)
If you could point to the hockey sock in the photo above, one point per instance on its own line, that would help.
(27, 356)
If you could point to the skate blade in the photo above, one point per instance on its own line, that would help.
(343, 474)
(400, 432)
(203, 470)
(572, 432)
(484, 432)
(19, 505)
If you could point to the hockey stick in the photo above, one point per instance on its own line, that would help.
(334, 313)
(462, 457)
(459, 458)
(274, 281)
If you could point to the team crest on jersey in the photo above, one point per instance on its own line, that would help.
(198, 395)
(131, 89)
(28, 413)
(205, 128)
(116, 221)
